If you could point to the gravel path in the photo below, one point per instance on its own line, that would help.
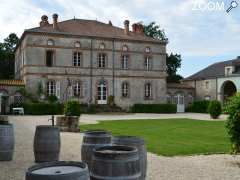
(208, 167)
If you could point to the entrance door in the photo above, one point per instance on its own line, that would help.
(3, 104)
(179, 100)
(102, 93)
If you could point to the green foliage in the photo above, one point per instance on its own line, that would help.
(153, 30)
(52, 99)
(40, 89)
(171, 137)
(215, 109)
(198, 107)
(7, 56)
(72, 108)
(173, 64)
(154, 108)
(233, 122)
(42, 108)
(27, 95)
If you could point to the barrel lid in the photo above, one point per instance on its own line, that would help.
(58, 168)
(97, 133)
(128, 140)
(115, 151)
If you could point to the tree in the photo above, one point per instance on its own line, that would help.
(7, 56)
(173, 61)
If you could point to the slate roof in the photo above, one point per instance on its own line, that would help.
(12, 82)
(213, 71)
(91, 28)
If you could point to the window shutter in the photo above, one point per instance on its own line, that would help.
(58, 91)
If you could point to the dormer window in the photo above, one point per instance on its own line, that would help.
(102, 46)
(77, 45)
(147, 50)
(125, 48)
(228, 70)
(50, 42)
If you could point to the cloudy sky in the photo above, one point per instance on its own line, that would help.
(200, 30)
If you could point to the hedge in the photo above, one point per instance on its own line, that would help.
(198, 107)
(43, 108)
(154, 108)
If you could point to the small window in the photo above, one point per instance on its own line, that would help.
(102, 46)
(77, 45)
(125, 90)
(50, 42)
(125, 61)
(147, 63)
(147, 50)
(101, 60)
(77, 90)
(148, 91)
(51, 88)
(125, 48)
(76, 59)
(49, 58)
(228, 71)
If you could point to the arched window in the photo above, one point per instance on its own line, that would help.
(124, 61)
(77, 89)
(102, 46)
(51, 88)
(50, 42)
(147, 50)
(77, 44)
(148, 91)
(125, 48)
(125, 90)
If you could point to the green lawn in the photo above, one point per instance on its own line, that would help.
(171, 137)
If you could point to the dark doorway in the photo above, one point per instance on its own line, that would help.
(229, 89)
(4, 104)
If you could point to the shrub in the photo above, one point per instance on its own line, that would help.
(198, 107)
(42, 108)
(233, 122)
(72, 108)
(215, 109)
(154, 108)
(52, 99)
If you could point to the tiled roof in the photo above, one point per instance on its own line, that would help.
(179, 86)
(91, 28)
(213, 71)
(11, 82)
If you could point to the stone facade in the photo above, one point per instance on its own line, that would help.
(30, 66)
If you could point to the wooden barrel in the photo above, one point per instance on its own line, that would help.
(115, 162)
(47, 143)
(58, 171)
(91, 140)
(6, 142)
(138, 143)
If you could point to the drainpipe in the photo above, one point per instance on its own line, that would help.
(91, 66)
(113, 67)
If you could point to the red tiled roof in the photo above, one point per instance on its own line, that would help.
(12, 82)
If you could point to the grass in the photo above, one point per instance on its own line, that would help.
(170, 137)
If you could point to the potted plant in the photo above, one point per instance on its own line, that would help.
(70, 121)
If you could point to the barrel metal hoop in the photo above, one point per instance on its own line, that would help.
(136, 176)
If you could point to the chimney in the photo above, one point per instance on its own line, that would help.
(44, 21)
(138, 28)
(126, 27)
(55, 21)
(110, 23)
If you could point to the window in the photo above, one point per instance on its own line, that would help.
(101, 60)
(124, 61)
(125, 48)
(50, 42)
(125, 90)
(76, 59)
(51, 88)
(77, 44)
(77, 90)
(207, 84)
(102, 46)
(49, 58)
(147, 63)
(228, 71)
(147, 49)
(18, 98)
(148, 91)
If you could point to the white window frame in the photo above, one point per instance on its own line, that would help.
(77, 58)
(51, 88)
(125, 90)
(148, 91)
(147, 63)
(147, 49)
(125, 60)
(77, 89)
(102, 60)
(50, 42)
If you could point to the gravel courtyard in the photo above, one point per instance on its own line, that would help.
(204, 167)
